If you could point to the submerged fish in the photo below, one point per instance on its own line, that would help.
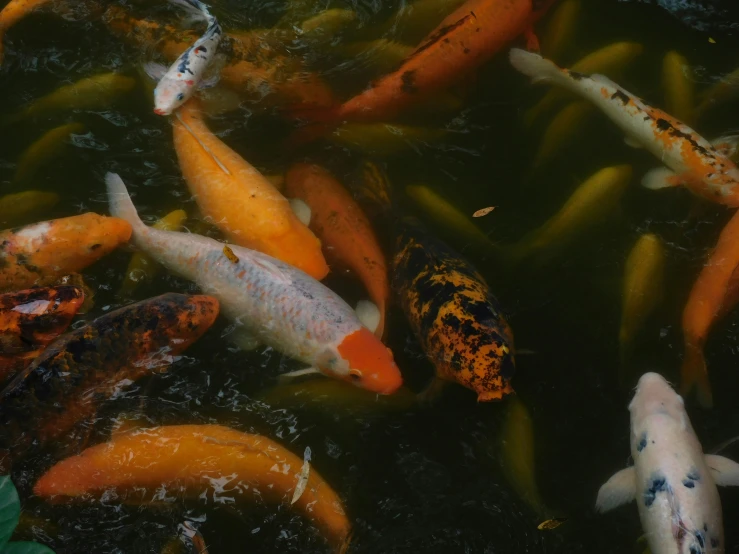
(565, 129)
(30, 320)
(12, 13)
(50, 146)
(22, 207)
(270, 301)
(66, 383)
(90, 93)
(345, 232)
(714, 295)
(643, 289)
(672, 481)
(229, 191)
(679, 87)
(40, 253)
(414, 20)
(380, 55)
(142, 268)
(178, 83)
(691, 159)
(560, 29)
(384, 139)
(724, 90)
(190, 460)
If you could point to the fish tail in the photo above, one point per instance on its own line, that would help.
(534, 66)
(694, 373)
(120, 202)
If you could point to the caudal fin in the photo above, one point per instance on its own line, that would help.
(695, 374)
(533, 65)
(120, 202)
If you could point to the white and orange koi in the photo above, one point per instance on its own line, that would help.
(177, 84)
(270, 301)
(691, 160)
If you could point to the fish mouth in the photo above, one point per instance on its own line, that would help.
(160, 111)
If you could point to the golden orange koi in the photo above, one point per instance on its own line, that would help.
(344, 230)
(249, 210)
(190, 460)
(41, 253)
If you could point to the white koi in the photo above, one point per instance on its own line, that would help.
(673, 482)
(270, 301)
(178, 83)
(691, 160)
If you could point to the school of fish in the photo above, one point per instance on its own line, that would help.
(342, 263)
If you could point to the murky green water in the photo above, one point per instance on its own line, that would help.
(427, 480)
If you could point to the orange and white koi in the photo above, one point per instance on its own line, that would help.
(270, 301)
(344, 230)
(249, 210)
(691, 160)
(39, 254)
(177, 84)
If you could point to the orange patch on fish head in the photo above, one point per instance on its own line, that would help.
(371, 364)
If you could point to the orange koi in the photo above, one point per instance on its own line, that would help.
(714, 294)
(198, 461)
(343, 228)
(249, 210)
(39, 254)
(76, 372)
(31, 319)
(466, 39)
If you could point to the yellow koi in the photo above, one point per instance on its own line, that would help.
(679, 87)
(49, 147)
(24, 207)
(384, 139)
(560, 29)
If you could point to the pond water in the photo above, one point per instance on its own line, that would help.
(426, 479)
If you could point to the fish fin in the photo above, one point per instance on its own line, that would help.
(275, 271)
(533, 65)
(660, 178)
(211, 154)
(532, 41)
(727, 145)
(694, 373)
(244, 340)
(155, 70)
(725, 472)
(290, 375)
(120, 201)
(210, 82)
(369, 314)
(618, 490)
(633, 143)
(301, 210)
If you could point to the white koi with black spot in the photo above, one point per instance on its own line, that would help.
(691, 160)
(673, 482)
(178, 83)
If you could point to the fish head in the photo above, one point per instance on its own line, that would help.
(362, 360)
(191, 317)
(655, 396)
(170, 94)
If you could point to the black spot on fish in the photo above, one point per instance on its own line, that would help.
(95, 247)
(663, 124)
(694, 549)
(715, 542)
(446, 41)
(666, 126)
(687, 483)
(621, 96)
(656, 485)
(700, 539)
(466, 50)
(705, 526)
(578, 76)
(642, 442)
(693, 474)
(440, 34)
(409, 82)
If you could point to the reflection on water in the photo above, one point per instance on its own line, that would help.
(414, 477)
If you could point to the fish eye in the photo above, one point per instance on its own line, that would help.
(181, 96)
(355, 375)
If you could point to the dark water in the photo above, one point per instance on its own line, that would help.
(426, 480)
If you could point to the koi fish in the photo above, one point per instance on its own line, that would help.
(380, 55)
(38, 254)
(189, 460)
(271, 301)
(714, 294)
(30, 320)
(560, 29)
(463, 41)
(176, 85)
(678, 83)
(50, 146)
(21, 207)
(249, 210)
(724, 90)
(344, 230)
(383, 139)
(643, 288)
(563, 131)
(415, 20)
(672, 481)
(691, 159)
(65, 384)
(90, 93)
(12, 13)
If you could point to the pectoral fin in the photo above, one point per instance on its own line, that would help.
(369, 314)
(632, 142)
(155, 70)
(725, 472)
(660, 178)
(727, 145)
(290, 375)
(618, 490)
(301, 209)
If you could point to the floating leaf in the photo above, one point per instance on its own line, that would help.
(483, 211)
(10, 509)
(23, 547)
(711, 40)
(550, 524)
